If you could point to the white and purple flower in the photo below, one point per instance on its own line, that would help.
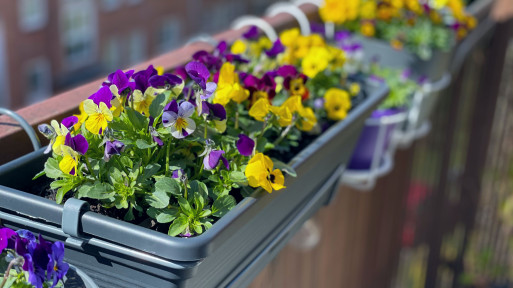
(177, 117)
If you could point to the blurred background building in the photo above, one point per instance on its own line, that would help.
(48, 46)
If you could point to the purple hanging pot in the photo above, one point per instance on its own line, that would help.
(364, 151)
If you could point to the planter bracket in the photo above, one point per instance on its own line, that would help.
(71, 214)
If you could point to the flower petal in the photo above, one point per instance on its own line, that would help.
(245, 145)
(169, 118)
(186, 109)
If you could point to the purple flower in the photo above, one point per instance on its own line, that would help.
(318, 28)
(212, 158)
(56, 268)
(77, 143)
(209, 90)
(376, 78)
(245, 145)
(102, 95)
(155, 135)
(198, 73)
(142, 78)
(70, 121)
(405, 74)
(251, 34)
(210, 61)
(276, 49)
(178, 118)
(46, 130)
(177, 174)
(319, 103)
(214, 111)
(181, 72)
(166, 81)
(121, 80)
(221, 48)
(39, 258)
(6, 239)
(113, 148)
(422, 80)
(342, 35)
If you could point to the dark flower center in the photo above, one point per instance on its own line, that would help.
(336, 107)
(271, 178)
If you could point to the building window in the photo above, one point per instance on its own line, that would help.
(168, 35)
(112, 54)
(32, 14)
(137, 47)
(38, 80)
(4, 76)
(111, 5)
(78, 32)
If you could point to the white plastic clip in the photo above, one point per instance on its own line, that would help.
(289, 8)
(249, 20)
(71, 213)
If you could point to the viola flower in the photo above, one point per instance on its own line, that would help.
(70, 121)
(6, 238)
(260, 173)
(142, 102)
(213, 111)
(98, 116)
(198, 73)
(177, 174)
(155, 135)
(166, 81)
(354, 89)
(315, 61)
(238, 47)
(103, 95)
(251, 34)
(78, 143)
(56, 268)
(178, 118)
(212, 159)
(39, 258)
(264, 87)
(117, 102)
(275, 50)
(112, 148)
(294, 81)
(210, 61)
(245, 145)
(81, 117)
(283, 114)
(209, 90)
(69, 162)
(60, 131)
(121, 80)
(142, 78)
(260, 109)
(228, 86)
(337, 103)
(307, 120)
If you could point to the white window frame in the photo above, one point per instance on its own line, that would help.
(32, 22)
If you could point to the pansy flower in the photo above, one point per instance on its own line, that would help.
(228, 86)
(56, 268)
(60, 136)
(69, 162)
(142, 102)
(142, 78)
(6, 238)
(121, 80)
(113, 148)
(98, 116)
(245, 145)
(78, 143)
(213, 158)
(275, 50)
(260, 109)
(294, 81)
(260, 173)
(103, 95)
(264, 87)
(166, 81)
(198, 73)
(251, 34)
(81, 117)
(337, 102)
(70, 121)
(177, 117)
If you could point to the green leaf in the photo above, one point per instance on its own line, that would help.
(137, 119)
(142, 144)
(39, 175)
(152, 212)
(239, 178)
(52, 169)
(284, 167)
(222, 205)
(96, 191)
(184, 204)
(246, 191)
(178, 226)
(157, 105)
(126, 161)
(205, 213)
(149, 170)
(167, 215)
(157, 199)
(261, 143)
(115, 176)
(169, 186)
(197, 228)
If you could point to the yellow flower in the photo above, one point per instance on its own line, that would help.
(316, 61)
(336, 103)
(142, 101)
(256, 47)
(307, 120)
(368, 10)
(338, 57)
(293, 103)
(297, 87)
(61, 132)
(228, 86)
(238, 47)
(69, 162)
(367, 29)
(289, 37)
(354, 89)
(283, 113)
(160, 70)
(260, 173)
(98, 116)
(260, 109)
(117, 103)
(396, 44)
(333, 11)
(81, 117)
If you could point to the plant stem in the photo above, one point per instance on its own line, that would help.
(11, 264)
(284, 133)
(89, 167)
(185, 193)
(168, 148)
(237, 120)
(205, 136)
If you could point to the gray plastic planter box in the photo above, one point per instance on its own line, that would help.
(433, 68)
(119, 254)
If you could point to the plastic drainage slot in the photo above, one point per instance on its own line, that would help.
(71, 214)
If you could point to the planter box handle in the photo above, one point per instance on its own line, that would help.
(71, 214)
(289, 8)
